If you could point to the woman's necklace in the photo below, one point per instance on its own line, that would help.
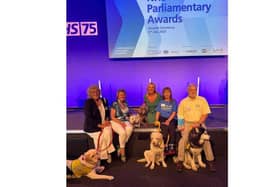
(122, 105)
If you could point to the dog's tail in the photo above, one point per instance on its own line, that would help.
(141, 160)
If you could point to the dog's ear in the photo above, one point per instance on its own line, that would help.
(161, 143)
(161, 136)
(151, 135)
(201, 129)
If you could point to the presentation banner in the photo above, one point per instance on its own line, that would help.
(162, 28)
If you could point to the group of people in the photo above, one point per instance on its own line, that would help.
(101, 121)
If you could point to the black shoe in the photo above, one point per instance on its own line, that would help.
(212, 167)
(179, 166)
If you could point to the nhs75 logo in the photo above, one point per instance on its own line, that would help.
(84, 28)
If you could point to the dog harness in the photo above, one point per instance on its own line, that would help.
(79, 169)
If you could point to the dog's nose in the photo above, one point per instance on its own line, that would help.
(155, 143)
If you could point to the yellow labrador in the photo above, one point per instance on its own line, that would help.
(86, 165)
(156, 152)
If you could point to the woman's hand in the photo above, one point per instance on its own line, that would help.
(167, 122)
(105, 124)
(123, 125)
(98, 102)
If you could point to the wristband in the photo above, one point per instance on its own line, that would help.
(180, 122)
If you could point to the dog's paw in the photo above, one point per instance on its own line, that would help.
(110, 178)
(158, 163)
(147, 165)
(187, 166)
(194, 168)
(164, 165)
(152, 167)
(202, 165)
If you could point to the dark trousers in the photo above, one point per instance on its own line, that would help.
(170, 129)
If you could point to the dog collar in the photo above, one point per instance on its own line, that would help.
(195, 146)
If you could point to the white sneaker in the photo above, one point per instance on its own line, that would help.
(109, 160)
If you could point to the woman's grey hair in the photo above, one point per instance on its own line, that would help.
(92, 87)
(192, 85)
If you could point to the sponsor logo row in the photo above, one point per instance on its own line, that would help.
(188, 51)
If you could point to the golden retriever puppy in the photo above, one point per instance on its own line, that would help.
(86, 165)
(156, 152)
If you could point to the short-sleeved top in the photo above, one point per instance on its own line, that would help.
(191, 110)
(121, 114)
(166, 108)
(151, 116)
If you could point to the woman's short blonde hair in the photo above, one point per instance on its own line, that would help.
(92, 87)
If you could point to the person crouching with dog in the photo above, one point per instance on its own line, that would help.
(97, 124)
(166, 115)
(120, 122)
(193, 112)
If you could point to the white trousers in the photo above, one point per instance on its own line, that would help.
(124, 133)
(105, 142)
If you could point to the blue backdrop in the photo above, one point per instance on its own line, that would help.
(88, 61)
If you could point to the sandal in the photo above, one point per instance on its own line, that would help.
(123, 158)
(118, 151)
(109, 160)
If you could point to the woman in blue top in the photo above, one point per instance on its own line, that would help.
(166, 114)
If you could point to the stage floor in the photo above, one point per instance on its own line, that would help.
(135, 174)
(217, 119)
